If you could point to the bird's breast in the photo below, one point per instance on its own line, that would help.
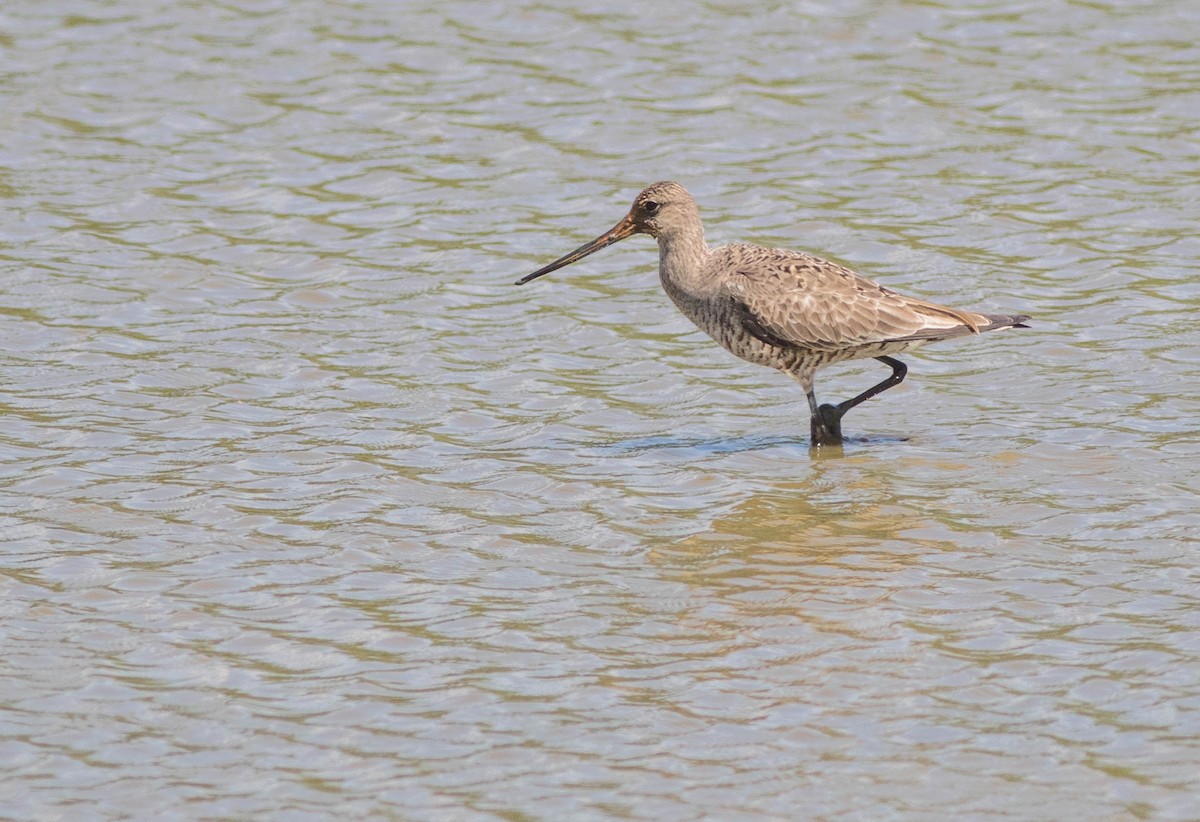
(715, 316)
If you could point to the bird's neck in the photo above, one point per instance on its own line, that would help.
(681, 256)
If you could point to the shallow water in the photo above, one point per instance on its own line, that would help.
(307, 510)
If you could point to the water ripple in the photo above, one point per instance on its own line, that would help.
(308, 510)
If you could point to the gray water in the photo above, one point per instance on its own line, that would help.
(309, 512)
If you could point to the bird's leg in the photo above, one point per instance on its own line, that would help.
(899, 370)
(831, 415)
(825, 430)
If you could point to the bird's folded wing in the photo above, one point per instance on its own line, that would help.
(785, 298)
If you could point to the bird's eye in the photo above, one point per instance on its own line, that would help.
(650, 207)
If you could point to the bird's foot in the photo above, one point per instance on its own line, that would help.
(827, 426)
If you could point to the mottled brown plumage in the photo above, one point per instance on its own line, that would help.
(783, 309)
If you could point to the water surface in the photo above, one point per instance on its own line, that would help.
(308, 511)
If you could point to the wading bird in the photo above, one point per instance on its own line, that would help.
(783, 309)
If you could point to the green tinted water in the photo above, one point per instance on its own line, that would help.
(306, 509)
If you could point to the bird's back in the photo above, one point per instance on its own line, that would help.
(771, 305)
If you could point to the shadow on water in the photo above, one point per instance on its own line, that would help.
(737, 445)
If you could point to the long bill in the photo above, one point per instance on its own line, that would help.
(615, 234)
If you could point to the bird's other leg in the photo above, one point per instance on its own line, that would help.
(825, 429)
(899, 370)
(832, 414)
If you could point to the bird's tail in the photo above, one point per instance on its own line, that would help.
(968, 322)
(998, 321)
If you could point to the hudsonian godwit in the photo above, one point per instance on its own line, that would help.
(783, 309)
